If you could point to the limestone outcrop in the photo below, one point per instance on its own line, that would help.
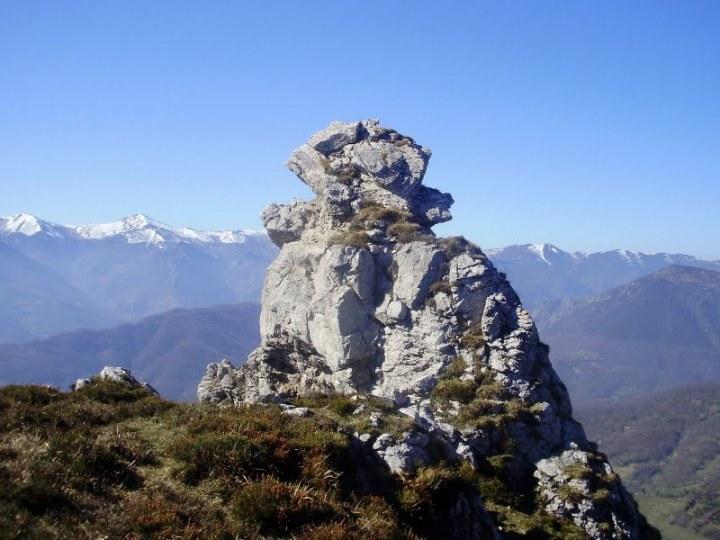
(364, 299)
(115, 374)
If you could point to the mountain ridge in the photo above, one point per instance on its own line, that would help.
(137, 228)
(543, 272)
(544, 249)
(169, 350)
(29, 225)
(655, 332)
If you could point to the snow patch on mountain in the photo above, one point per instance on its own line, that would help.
(543, 251)
(27, 225)
(548, 252)
(136, 229)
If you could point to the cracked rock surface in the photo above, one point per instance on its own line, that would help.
(364, 299)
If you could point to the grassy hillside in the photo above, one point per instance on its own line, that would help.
(111, 461)
(667, 449)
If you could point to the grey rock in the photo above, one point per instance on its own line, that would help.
(433, 205)
(150, 388)
(360, 410)
(405, 455)
(286, 222)
(79, 383)
(311, 167)
(465, 452)
(335, 136)
(396, 311)
(565, 485)
(418, 266)
(364, 299)
(291, 410)
(398, 169)
(443, 302)
(219, 384)
(383, 441)
(116, 374)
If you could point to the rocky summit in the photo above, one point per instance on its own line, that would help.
(364, 301)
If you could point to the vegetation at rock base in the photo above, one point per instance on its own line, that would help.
(471, 398)
(112, 460)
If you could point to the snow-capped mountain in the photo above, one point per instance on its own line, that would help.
(136, 229)
(27, 225)
(542, 272)
(57, 278)
(550, 254)
(119, 271)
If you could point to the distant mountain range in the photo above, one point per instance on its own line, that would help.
(136, 229)
(35, 300)
(666, 447)
(56, 278)
(656, 332)
(653, 333)
(542, 272)
(611, 336)
(170, 351)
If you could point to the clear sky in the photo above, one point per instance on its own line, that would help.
(588, 124)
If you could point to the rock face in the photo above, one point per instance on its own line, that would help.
(363, 298)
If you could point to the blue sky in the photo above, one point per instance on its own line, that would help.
(591, 125)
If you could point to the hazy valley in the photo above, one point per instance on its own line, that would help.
(666, 448)
(60, 278)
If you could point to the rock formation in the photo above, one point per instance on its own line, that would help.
(363, 299)
(115, 374)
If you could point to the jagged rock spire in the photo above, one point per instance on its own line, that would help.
(351, 165)
(364, 299)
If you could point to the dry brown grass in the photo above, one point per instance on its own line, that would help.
(112, 461)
